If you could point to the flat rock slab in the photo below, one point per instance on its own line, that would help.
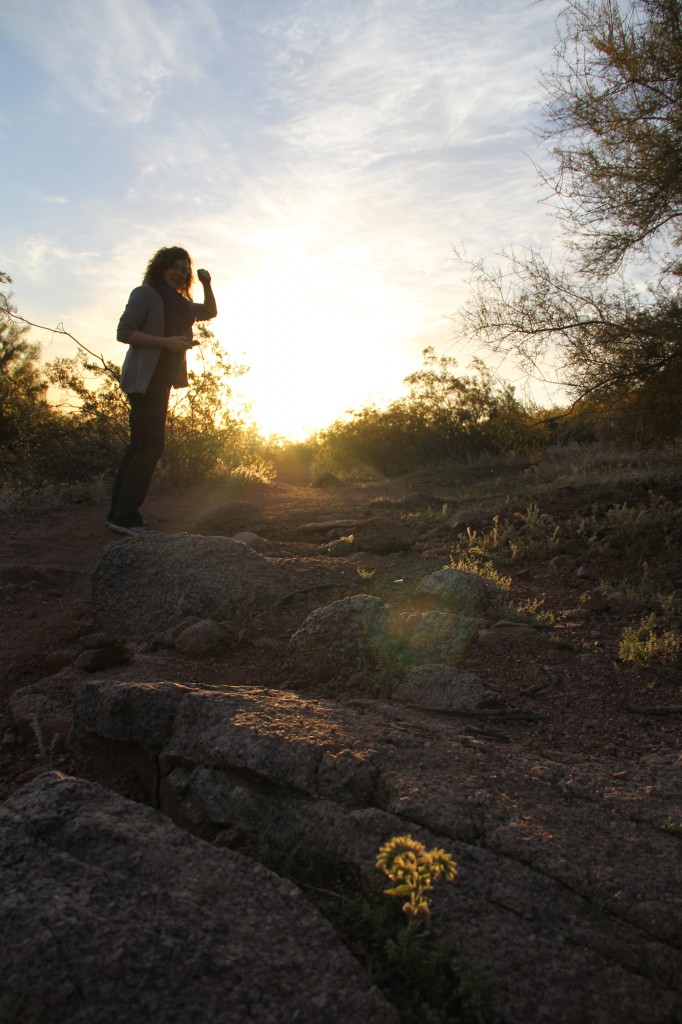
(110, 913)
(568, 895)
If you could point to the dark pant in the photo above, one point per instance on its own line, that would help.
(147, 439)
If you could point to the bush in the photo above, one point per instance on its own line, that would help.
(443, 418)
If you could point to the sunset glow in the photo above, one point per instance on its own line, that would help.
(321, 161)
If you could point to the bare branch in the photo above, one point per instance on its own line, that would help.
(12, 314)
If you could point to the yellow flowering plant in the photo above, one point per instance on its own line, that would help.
(414, 869)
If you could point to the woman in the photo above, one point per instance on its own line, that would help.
(157, 325)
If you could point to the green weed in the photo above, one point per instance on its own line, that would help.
(642, 645)
(651, 592)
(670, 825)
(532, 609)
(364, 574)
(45, 754)
(469, 563)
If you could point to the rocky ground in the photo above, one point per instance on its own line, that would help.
(559, 795)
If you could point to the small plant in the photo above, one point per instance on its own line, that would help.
(44, 754)
(364, 574)
(468, 563)
(429, 515)
(532, 609)
(561, 644)
(670, 825)
(407, 861)
(429, 980)
(641, 645)
(652, 591)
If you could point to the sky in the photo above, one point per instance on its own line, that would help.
(321, 158)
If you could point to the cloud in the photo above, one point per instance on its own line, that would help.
(115, 57)
(392, 77)
(321, 157)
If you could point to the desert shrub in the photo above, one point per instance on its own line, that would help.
(204, 434)
(92, 427)
(26, 420)
(644, 644)
(523, 535)
(292, 461)
(443, 418)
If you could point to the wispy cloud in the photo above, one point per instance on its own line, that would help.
(115, 57)
(320, 156)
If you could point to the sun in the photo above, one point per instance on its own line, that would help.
(314, 354)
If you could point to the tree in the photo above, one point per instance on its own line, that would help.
(610, 314)
(444, 417)
(19, 370)
(22, 387)
(614, 108)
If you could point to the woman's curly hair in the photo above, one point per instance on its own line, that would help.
(162, 260)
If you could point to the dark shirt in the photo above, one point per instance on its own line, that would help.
(178, 319)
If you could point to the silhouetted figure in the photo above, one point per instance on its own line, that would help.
(157, 325)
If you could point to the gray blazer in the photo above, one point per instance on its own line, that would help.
(144, 312)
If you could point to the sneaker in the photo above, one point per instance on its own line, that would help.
(127, 531)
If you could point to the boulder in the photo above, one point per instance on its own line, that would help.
(346, 640)
(93, 659)
(190, 751)
(114, 914)
(142, 713)
(466, 519)
(251, 540)
(201, 638)
(461, 591)
(419, 501)
(436, 636)
(59, 658)
(154, 581)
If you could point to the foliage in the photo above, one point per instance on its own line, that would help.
(204, 435)
(470, 561)
(45, 754)
(25, 416)
(444, 417)
(436, 986)
(92, 425)
(671, 826)
(654, 588)
(83, 433)
(426, 978)
(529, 534)
(642, 645)
(613, 107)
(407, 862)
(610, 314)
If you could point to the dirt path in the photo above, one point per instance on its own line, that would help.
(574, 684)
